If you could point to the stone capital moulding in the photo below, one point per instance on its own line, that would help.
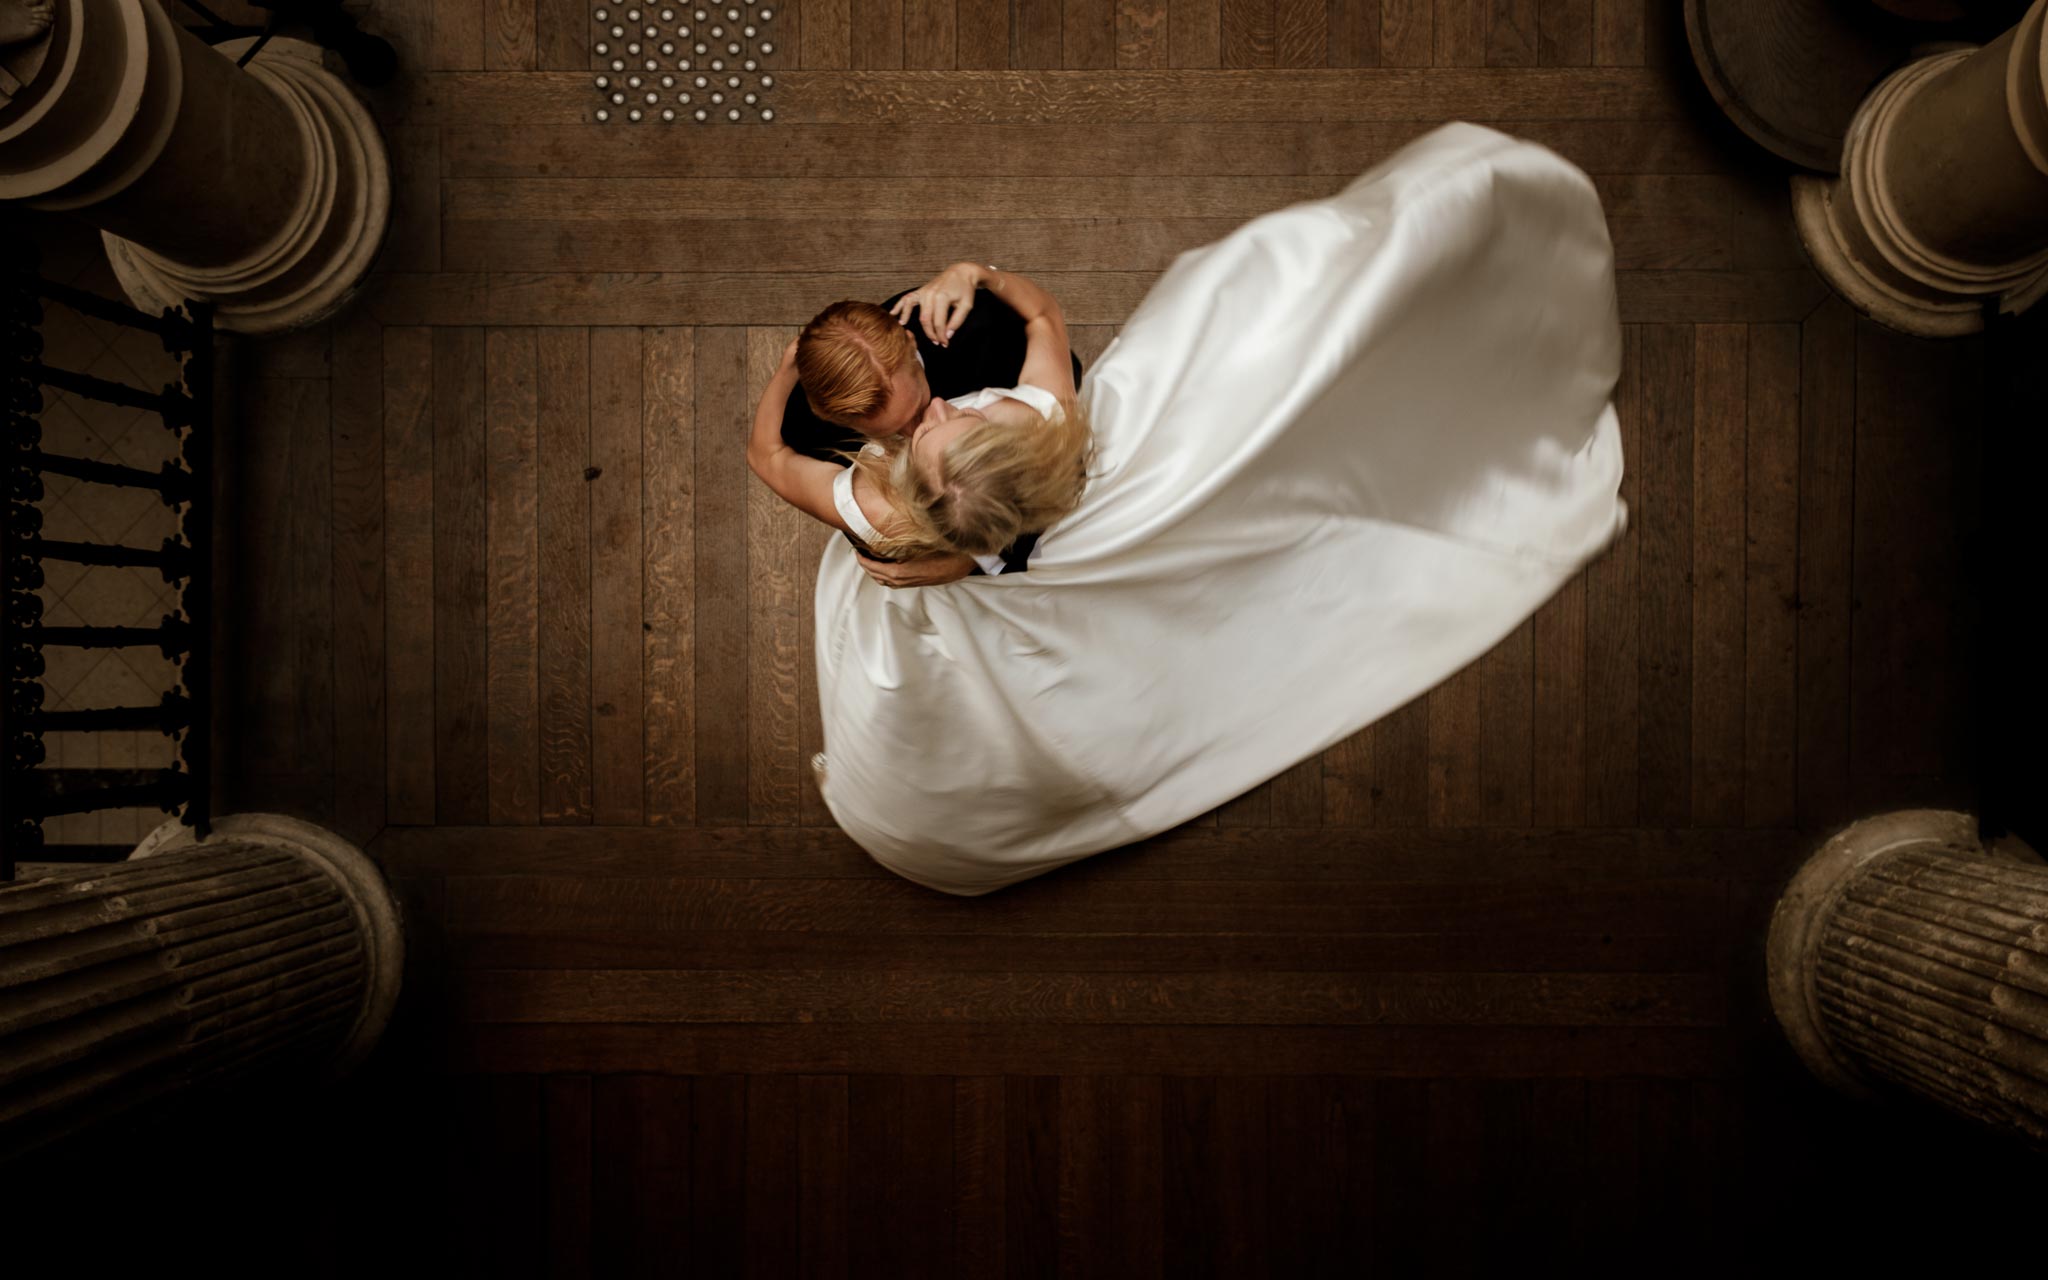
(265, 190)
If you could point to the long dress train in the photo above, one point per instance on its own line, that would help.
(1342, 452)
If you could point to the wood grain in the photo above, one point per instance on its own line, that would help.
(510, 36)
(776, 766)
(1507, 735)
(512, 587)
(1194, 33)
(1088, 34)
(983, 34)
(357, 415)
(1613, 668)
(1827, 443)
(875, 28)
(563, 523)
(1665, 621)
(1143, 35)
(822, 1155)
(1720, 407)
(617, 747)
(1770, 576)
(929, 34)
(461, 768)
(1558, 709)
(677, 513)
(1455, 708)
(409, 574)
(724, 571)
(1354, 32)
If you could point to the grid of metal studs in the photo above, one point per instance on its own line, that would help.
(697, 60)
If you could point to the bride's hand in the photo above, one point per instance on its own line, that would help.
(943, 303)
(925, 571)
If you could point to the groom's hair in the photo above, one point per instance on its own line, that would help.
(847, 356)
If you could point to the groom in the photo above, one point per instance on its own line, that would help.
(858, 379)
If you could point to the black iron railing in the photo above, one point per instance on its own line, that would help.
(30, 794)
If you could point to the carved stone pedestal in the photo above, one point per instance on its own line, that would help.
(264, 190)
(271, 948)
(1942, 203)
(1906, 956)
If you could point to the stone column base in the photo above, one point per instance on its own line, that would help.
(1851, 226)
(344, 210)
(360, 882)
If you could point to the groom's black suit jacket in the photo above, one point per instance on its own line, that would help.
(987, 351)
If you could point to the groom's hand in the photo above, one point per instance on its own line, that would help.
(925, 571)
(942, 303)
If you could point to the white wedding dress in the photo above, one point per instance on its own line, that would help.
(1342, 452)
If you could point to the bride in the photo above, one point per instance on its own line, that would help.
(1335, 456)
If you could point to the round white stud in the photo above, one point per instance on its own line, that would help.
(668, 113)
(618, 65)
(668, 82)
(632, 15)
(733, 49)
(652, 65)
(619, 99)
(700, 15)
(650, 32)
(749, 32)
(766, 48)
(733, 114)
(668, 50)
(767, 113)
(751, 99)
(733, 14)
(600, 15)
(632, 50)
(717, 65)
(604, 82)
(683, 98)
(702, 115)
(603, 48)
(717, 99)
(701, 82)
(617, 32)
(750, 64)
(732, 82)
(701, 51)
(603, 115)
(767, 14)
(632, 82)
(683, 65)
(668, 15)
(718, 33)
(682, 33)
(653, 98)
(767, 82)
(634, 115)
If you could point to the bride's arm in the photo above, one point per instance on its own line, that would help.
(946, 300)
(804, 483)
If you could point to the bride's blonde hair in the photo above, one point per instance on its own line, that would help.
(999, 480)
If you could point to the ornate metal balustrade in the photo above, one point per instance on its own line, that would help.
(30, 794)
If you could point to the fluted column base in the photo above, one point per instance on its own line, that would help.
(1960, 131)
(360, 883)
(332, 237)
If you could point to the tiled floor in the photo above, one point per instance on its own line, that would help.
(76, 510)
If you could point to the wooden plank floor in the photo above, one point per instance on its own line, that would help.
(1483, 981)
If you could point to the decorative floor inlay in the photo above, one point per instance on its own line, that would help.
(671, 62)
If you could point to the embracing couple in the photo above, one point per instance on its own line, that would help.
(940, 430)
(1332, 458)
